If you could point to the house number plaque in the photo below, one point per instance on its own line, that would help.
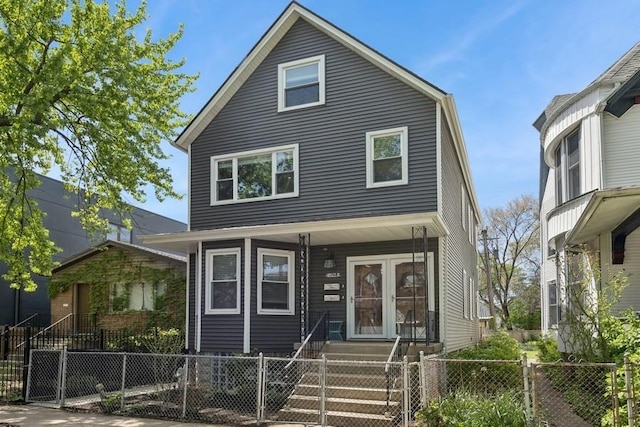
(332, 275)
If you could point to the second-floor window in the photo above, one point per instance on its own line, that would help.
(119, 233)
(301, 83)
(567, 168)
(255, 175)
(387, 157)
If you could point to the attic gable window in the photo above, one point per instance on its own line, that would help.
(255, 175)
(301, 83)
(387, 157)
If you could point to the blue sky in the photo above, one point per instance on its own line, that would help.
(503, 61)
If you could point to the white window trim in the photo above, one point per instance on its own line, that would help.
(463, 207)
(471, 294)
(215, 160)
(404, 136)
(557, 304)
(299, 63)
(465, 297)
(471, 223)
(291, 278)
(563, 170)
(210, 253)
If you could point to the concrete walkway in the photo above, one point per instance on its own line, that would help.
(38, 416)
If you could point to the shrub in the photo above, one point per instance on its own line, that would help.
(498, 346)
(467, 410)
(548, 350)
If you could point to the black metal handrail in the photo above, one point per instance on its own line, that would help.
(317, 336)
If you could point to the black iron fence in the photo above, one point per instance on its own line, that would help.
(17, 342)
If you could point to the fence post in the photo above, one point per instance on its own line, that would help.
(5, 342)
(406, 389)
(25, 361)
(423, 380)
(63, 376)
(260, 396)
(527, 393)
(534, 402)
(323, 390)
(124, 380)
(185, 379)
(628, 375)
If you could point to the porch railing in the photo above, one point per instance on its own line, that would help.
(312, 344)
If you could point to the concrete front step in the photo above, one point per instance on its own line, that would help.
(336, 418)
(336, 404)
(343, 392)
(368, 357)
(347, 380)
(350, 347)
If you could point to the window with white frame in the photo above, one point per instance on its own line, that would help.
(465, 295)
(301, 83)
(255, 175)
(470, 302)
(567, 168)
(222, 289)
(471, 224)
(464, 211)
(387, 157)
(552, 289)
(136, 296)
(276, 292)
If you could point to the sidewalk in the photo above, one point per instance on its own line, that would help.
(38, 416)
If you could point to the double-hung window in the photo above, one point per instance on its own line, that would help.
(554, 311)
(301, 83)
(387, 157)
(222, 290)
(567, 168)
(276, 292)
(255, 175)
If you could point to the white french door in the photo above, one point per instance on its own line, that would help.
(386, 296)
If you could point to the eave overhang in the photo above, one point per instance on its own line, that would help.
(327, 232)
(606, 210)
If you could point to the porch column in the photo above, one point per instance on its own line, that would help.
(303, 249)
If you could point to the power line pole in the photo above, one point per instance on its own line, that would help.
(492, 322)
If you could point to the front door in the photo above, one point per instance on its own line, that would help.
(387, 296)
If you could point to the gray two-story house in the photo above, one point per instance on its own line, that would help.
(326, 178)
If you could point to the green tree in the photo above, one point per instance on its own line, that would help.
(82, 91)
(514, 250)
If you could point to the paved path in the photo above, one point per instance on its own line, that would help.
(38, 416)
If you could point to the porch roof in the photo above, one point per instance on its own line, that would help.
(605, 211)
(322, 232)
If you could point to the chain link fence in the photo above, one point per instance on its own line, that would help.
(235, 390)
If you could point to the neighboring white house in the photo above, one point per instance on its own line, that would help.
(590, 182)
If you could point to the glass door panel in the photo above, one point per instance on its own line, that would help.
(368, 282)
(410, 299)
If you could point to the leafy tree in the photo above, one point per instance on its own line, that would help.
(82, 92)
(514, 250)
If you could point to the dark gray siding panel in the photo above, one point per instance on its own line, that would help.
(338, 310)
(222, 332)
(269, 333)
(359, 98)
(459, 252)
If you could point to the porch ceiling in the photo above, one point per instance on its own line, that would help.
(606, 210)
(328, 232)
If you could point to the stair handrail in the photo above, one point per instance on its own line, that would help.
(20, 323)
(320, 321)
(392, 356)
(45, 329)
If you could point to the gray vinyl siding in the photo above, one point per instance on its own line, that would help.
(459, 253)
(274, 333)
(360, 97)
(222, 333)
(277, 334)
(317, 276)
